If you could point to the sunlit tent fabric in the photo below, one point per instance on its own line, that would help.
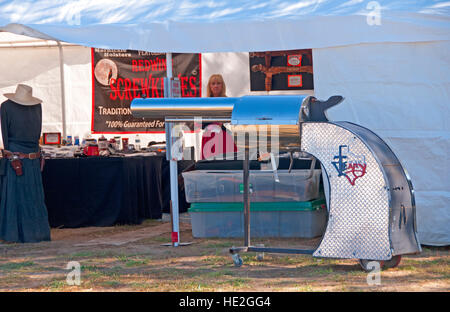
(395, 78)
(245, 36)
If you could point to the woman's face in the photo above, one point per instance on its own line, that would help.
(216, 87)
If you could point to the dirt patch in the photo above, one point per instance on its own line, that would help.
(133, 258)
(133, 236)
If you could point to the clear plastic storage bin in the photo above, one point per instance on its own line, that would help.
(227, 185)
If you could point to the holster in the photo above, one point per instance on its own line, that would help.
(16, 163)
(42, 160)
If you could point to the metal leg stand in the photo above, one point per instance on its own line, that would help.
(246, 198)
(247, 248)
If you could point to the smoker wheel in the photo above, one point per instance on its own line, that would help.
(364, 263)
(393, 262)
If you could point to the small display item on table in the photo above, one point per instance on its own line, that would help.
(52, 138)
(102, 143)
(117, 140)
(125, 144)
(91, 149)
(137, 142)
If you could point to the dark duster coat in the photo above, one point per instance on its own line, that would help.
(23, 214)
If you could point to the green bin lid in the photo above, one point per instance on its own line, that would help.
(259, 206)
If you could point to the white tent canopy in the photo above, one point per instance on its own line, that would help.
(242, 36)
(395, 78)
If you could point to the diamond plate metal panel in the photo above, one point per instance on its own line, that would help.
(358, 225)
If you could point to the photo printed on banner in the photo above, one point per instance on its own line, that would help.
(281, 70)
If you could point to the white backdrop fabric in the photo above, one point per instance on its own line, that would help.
(401, 91)
(39, 68)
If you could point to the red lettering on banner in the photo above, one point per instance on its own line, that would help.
(184, 81)
(129, 88)
(193, 87)
(113, 95)
(145, 87)
(120, 94)
(188, 83)
(155, 87)
(136, 87)
(148, 65)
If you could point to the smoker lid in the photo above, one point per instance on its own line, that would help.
(182, 107)
(268, 110)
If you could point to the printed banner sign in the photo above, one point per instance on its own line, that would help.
(119, 76)
(281, 70)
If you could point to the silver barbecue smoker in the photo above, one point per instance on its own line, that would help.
(370, 198)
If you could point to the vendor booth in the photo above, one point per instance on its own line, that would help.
(393, 76)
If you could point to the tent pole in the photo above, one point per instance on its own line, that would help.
(63, 89)
(173, 165)
(246, 180)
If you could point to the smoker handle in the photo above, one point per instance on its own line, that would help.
(313, 166)
(291, 161)
(311, 169)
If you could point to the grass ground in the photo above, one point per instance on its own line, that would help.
(205, 265)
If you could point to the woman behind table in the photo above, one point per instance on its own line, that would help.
(216, 88)
(23, 214)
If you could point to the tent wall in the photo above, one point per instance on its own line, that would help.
(78, 89)
(401, 91)
(38, 67)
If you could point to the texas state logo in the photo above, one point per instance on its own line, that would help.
(349, 165)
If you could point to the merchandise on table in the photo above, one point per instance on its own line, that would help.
(102, 143)
(103, 147)
(124, 144)
(137, 142)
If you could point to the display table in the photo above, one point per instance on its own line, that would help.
(105, 191)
